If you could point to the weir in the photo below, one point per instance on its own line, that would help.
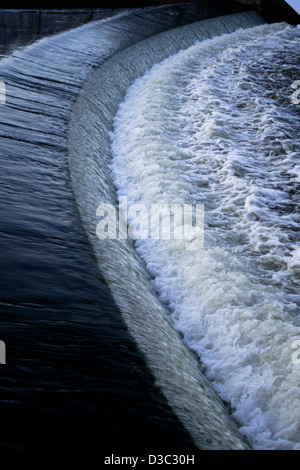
(52, 285)
(176, 370)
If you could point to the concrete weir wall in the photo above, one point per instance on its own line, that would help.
(276, 10)
(174, 367)
(22, 27)
(19, 27)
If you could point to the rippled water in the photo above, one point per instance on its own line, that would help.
(215, 125)
(74, 378)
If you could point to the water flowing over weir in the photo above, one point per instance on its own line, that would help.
(74, 378)
(235, 150)
(176, 370)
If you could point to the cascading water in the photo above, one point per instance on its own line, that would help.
(216, 125)
(175, 369)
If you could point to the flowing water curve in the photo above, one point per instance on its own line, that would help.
(176, 369)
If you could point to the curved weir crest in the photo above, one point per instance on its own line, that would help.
(175, 368)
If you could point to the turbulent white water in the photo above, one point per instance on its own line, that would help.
(215, 125)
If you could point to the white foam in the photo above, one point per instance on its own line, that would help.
(214, 125)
